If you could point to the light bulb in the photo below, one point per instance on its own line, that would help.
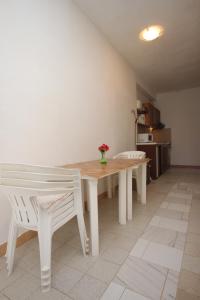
(151, 33)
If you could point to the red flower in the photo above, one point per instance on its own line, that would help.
(103, 148)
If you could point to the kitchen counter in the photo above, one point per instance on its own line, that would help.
(152, 143)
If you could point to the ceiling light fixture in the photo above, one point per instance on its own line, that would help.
(151, 33)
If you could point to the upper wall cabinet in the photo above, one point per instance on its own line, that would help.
(152, 116)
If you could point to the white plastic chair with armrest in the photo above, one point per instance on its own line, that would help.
(136, 175)
(42, 199)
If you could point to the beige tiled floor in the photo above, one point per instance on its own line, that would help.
(138, 261)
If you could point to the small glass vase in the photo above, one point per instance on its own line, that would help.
(103, 160)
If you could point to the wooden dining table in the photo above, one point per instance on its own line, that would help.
(92, 171)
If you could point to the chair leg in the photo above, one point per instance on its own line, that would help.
(113, 185)
(109, 187)
(87, 195)
(138, 182)
(11, 245)
(45, 242)
(83, 234)
(83, 194)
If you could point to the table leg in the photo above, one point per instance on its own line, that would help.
(143, 182)
(138, 173)
(83, 194)
(129, 194)
(109, 186)
(122, 197)
(94, 226)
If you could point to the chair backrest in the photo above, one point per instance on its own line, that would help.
(25, 185)
(34, 169)
(131, 155)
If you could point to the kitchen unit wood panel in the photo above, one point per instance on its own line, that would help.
(159, 155)
(152, 116)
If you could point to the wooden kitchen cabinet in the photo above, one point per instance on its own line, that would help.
(164, 157)
(152, 152)
(156, 117)
(149, 113)
(159, 153)
(152, 116)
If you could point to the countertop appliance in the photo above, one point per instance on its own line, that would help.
(145, 138)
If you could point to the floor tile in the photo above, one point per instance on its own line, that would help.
(142, 277)
(139, 248)
(164, 204)
(165, 236)
(196, 195)
(156, 253)
(165, 256)
(170, 288)
(130, 295)
(180, 241)
(194, 227)
(66, 232)
(6, 280)
(124, 242)
(74, 242)
(141, 221)
(2, 263)
(103, 270)
(160, 187)
(115, 255)
(113, 292)
(190, 282)
(167, 223)
(131, 229)
(180, 195)
(28, 261)
(193, 238)
(80, 262)
(65, 278)
(182, 295)
(88, 288)
(185, 216)
(160, 235)
(192, 249)
(191, 263)
(176, 206)
(64, 253)
(2, 297)
(24, 249)
(169, 213)
(178, 200)
(155, 221)
(34, 244)
(23, 288)
(51, 295)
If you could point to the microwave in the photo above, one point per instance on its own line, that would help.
(145, 137)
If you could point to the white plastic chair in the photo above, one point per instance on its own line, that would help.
(42, 199)
(136, 175)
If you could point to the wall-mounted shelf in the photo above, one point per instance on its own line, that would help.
(143, 125)
(141, 111)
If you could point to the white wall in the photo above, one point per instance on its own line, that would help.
(181, 111)
(63, 89)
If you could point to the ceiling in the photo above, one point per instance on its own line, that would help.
(169, 63)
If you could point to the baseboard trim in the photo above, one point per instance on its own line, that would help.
(29, 235)
(185, 167)
(3, 249)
